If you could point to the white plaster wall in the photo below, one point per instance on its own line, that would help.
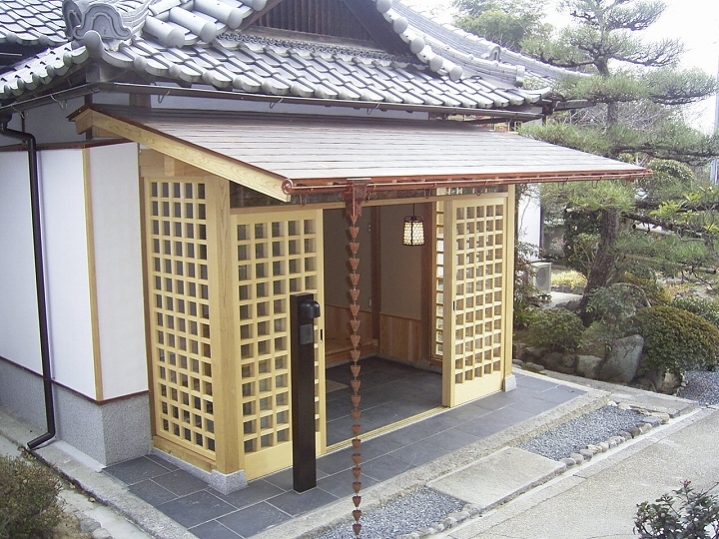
(530, 219)
(66, 261)
(19, 333)
(118, 268)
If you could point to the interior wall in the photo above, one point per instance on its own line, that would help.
(337, 255)
(401, 266)
(19, 332)
(114, 175)
(65, 244)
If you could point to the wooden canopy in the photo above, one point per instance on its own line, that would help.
(281, 155)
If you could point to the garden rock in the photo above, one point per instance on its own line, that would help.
(531, 354)
(589, 366)
(623, 360)
(556, 361)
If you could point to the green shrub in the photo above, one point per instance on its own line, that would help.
(571, 278)
(656, 293)
(684, 514)
(676, 340)
(708, 309)
(557, 329)
(29, 506)
(614, 306)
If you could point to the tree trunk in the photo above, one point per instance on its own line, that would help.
(603, 262)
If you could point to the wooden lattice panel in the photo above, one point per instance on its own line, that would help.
(277, 256)
(471, 288)
(439, 281)
(179, 305)
(479, 293)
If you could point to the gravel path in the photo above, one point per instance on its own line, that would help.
(576, 434)
(401, 516)
(702, 386)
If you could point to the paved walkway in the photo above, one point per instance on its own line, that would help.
(167, 502)
(599, 499)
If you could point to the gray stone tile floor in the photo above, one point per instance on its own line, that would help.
(271, 500)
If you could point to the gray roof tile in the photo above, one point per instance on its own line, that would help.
(179, 42)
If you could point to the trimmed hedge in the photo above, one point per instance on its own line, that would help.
(708, 309)
(676, 340)
(557, 329)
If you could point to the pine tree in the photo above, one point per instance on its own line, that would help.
(638, 95)
(505, 22)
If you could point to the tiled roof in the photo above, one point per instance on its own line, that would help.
(477, 54)
(201, 42)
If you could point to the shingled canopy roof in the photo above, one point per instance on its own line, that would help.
(396, 59)
(296, 154)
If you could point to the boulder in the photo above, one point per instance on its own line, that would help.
(589, 366)
(531, 354)
(559, 362)
(623, 360)
(671, 383)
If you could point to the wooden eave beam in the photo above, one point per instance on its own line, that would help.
(214, 163)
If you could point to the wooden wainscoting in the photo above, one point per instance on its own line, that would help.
(400, 337)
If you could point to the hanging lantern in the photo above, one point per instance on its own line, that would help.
(413, 230)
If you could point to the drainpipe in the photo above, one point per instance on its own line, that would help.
(31, 143)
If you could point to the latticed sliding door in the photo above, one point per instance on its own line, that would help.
(278, 254)
(473, 294)
(183, 256)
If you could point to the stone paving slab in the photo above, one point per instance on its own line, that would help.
(498, 477)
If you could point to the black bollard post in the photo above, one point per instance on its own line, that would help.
(304, 310)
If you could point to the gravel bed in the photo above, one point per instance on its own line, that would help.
(576, 434)
(701, 386)
(401, 516)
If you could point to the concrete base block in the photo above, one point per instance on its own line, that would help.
(108, 432)
(225, 483)
(509, 383)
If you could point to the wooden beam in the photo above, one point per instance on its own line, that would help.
(214, 163)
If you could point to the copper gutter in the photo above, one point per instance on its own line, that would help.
(330, 186)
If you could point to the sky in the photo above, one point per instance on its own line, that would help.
(695, 22)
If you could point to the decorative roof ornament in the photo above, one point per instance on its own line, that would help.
(96, 21)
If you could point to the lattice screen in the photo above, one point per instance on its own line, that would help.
(470, 287)
(479, 293)
(439, 281)
(277, 255)
(180, 312)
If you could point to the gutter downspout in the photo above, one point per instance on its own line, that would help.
(31, 143)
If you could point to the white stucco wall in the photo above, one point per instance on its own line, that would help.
(66, 266)
(118, 268)
(19, 333)
(530, 218)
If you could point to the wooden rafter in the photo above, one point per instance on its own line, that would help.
(214, 163)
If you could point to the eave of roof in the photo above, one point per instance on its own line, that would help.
(282, 155)
(184, 43)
